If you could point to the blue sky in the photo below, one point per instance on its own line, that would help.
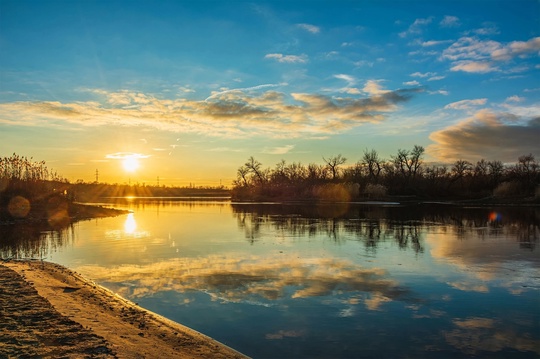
(192, 89)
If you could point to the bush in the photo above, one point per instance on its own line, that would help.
(375, 190)
(508, 189)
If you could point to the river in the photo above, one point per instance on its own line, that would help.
(319, 281)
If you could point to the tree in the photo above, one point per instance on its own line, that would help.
(333, 164)
(373, 164)
(254, 167)
(408, 163)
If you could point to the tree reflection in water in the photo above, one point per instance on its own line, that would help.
(374, 224)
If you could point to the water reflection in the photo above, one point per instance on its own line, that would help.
(323, 281)
(256, 280)
(130, 225)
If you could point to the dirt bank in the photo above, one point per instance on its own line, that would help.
(47, 310)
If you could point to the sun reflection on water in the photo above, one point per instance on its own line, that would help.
(130, 225)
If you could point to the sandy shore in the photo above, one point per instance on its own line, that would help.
(47, 311)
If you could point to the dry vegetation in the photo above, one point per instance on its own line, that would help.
(404, 174)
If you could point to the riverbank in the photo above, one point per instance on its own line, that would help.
(51, 311)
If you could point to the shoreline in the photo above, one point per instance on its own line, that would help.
(50, 310)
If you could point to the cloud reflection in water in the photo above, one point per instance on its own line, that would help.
(252, 280)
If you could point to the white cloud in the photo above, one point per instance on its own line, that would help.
(310, 28)
(348, 78)
(469, 54)
(449, 21)
(412, 83)
(466, 104)
(474, 67)
(416, 27)
(292, 59)
(470, 48)
(487, 29)
(434, 43)
(436, 78)
(278, 150)
(517, 48)
(515, 98)
(420, 74)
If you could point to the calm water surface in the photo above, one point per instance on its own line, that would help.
(328, 281)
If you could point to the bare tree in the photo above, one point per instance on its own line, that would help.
(408, 163)
(254, 166)
(373, 163)
(333, 164)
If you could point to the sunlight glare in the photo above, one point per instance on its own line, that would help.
(130, 164)
(130, 225)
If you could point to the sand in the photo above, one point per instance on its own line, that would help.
(49, 311)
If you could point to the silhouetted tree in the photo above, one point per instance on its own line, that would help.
(333, 164)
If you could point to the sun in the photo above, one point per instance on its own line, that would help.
(130, 164)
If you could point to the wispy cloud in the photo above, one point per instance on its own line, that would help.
(488, 28)
(469, 54)
(434, 43)
(230, 113)
(278, 150)
(422, 74)
(450, 21)
(310, 28)
(412, 83)
(292, 59)
(242, 90)
(416, 27)
(481, 67)
(466, 104)
(124, 155)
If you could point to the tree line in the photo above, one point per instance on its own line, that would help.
(373, 177)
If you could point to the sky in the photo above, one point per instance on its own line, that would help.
(184, 92)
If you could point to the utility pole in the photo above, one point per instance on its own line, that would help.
(158, 181)
(97, 175)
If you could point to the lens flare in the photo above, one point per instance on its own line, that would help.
(494, 217)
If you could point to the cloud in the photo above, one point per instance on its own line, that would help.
(466, 104)
(515, 98)
(500, 136)
(412, 83)
(310, 28)
(449, 21)
(291, 59)
(123, 155)
(240, 90)
(420, 74)
(278, 150)
(229, 113)
(469, 54)
(474, 67)
(470, 48)
(517, 48)
(350, 79)
(372, 87)
(416, 27)
(434, 43)
(436, 78)
(487, 28)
